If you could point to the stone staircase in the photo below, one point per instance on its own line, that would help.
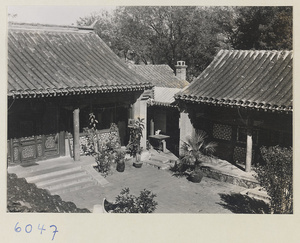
(57, 176)
(160, 160)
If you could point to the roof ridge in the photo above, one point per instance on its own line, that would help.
(149, 65)
(48, 27)
(259, 51)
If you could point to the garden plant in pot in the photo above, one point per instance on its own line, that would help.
(134, 148)
(120, 159)
(194, 151)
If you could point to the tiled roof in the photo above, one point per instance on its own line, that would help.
(253, 79)
(48, 60)
(164, 96)
(160, 75)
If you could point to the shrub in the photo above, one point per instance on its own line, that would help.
(193, 152)
(26, 197)
(136, 133)
(106, 151)
(276, 176)
(127, 203)
(196, 149)
(104, 161)
(90, 148)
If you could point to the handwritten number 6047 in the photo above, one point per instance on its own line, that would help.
(28, 229)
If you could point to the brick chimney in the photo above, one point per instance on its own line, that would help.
(181, 70)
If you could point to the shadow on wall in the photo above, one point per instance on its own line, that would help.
(238, 203)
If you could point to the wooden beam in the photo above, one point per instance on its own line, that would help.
(76, 145)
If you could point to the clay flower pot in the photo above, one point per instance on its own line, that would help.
(120, 166)
(196, 176)
(137, 164)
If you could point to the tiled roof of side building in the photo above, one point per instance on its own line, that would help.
(160, 75)
(164, 96)
(252, 79)
(46, 60)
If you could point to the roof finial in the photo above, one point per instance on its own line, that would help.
(90, 27)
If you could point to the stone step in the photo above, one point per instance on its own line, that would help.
(23, 170)
(159, 159)
(157, 164)
(95, 175)
(257, 193)
(74, 187)
(63, 183)
(162, 157)
(224, 176)
(46, 174)
(42, 182)
(44, 170)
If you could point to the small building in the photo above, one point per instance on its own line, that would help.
(243, 100)
(162, 112)
(57, 75)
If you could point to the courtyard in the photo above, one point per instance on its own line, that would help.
(173, 194)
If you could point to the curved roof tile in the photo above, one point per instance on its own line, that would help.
(59, 59)
(160, 75)
(260, 79)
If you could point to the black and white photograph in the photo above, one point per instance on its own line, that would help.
(149, 109)
(141, 109)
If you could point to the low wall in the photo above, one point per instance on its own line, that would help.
(220, 176)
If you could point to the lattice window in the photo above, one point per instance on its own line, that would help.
(221, 131)
(103, 137)
(39, 150)
(50, 142)
(16, 153)
(28, 152)
(239, 154)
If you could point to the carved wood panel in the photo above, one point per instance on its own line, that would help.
(34, 148)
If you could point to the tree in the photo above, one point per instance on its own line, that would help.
(166, 34)
(263, 28)
(194, 34)
(276, 176)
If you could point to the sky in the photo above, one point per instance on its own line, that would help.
(60, 15)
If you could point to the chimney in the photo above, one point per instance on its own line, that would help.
(181, 70)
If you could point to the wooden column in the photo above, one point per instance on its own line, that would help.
(249, 146)
(61, 134)
(62, 149)
(76, 145)
(151, 127)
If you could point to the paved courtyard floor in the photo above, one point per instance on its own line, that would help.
(174, 195)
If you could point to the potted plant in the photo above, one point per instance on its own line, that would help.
(128, 203)
(120, 159)
(194, 151)
(134, 148)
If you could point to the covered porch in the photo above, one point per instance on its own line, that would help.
(45, 128)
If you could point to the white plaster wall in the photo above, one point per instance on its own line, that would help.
(140, 110)
(186, 127)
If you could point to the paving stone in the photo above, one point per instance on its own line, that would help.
(174, 195)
